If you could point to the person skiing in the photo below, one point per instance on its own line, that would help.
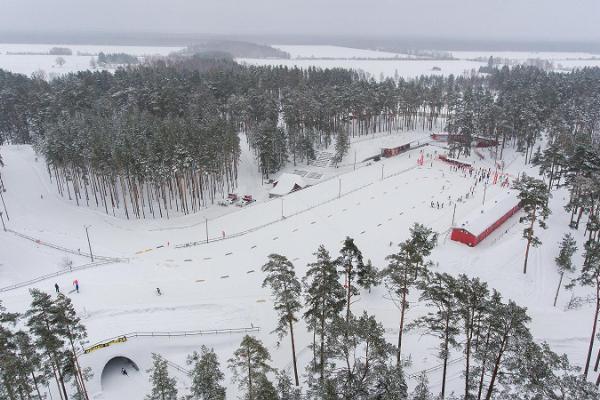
(158, 292)
(124, 371)
(76, 284)
(56, 288)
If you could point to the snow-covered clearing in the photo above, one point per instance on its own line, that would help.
(218, 285)
(377, 68)
(29, 63)
(307, 51)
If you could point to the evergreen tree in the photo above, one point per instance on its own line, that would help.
(70, 327)
(390, 383)
(250, 366)
(285, 388)
(342, 144)
(438, 290)
(473, 299)
(353, 267)
(361, 352)
(421, 391)
(286, 290)
(533, 195)
(564, 262)
(590, 276)
(163, 386)
(41, 321)
(206, 375)
(402, 270)
(324, 300)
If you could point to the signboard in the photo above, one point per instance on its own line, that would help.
(106, 344)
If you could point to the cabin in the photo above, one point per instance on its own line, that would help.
(481, 141)
(485, 220)
(394, 151)
(454, 161)
(287, 183)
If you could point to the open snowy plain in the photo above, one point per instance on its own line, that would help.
(217, 286)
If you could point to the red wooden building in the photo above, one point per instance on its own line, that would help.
(394, 151)
(481, 223)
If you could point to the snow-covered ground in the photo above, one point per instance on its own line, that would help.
(523, 55)
(29, 63)
(306, 51)
(377, 68)
(218, 285)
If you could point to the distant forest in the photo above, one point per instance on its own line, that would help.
(234, 48)
(163, 137)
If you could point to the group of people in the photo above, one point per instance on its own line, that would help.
(75, 284)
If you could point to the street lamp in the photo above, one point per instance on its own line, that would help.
(88, 239)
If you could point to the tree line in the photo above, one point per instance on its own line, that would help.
(350, 355)
(163, 136)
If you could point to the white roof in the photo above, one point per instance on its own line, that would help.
(484, 216)
(285, 184)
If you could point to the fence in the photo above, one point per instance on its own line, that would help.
(58, 273)
(57, 247)
(205, 332)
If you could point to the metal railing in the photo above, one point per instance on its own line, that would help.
(157, 334)
(57, 273)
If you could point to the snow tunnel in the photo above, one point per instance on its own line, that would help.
(113, 380)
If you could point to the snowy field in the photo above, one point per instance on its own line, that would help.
(378, 68)
(303, 51)
(29, 63)
(218, 285)
(523, 55)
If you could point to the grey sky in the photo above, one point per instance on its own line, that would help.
(474, 19)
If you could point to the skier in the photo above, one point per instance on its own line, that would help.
(158, 292)
(56, 288)
(124, 371)
(76, 284)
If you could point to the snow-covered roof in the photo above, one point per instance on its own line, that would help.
(286, 183)
(484, 216)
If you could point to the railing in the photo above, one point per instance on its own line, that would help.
(57, 247)
(205, 332)
(58, 273)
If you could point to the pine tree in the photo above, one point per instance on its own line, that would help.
(473, 298)
(9, 372)
(533, 195)
(250, 366)
(590, 276)
(70, 327)
(206, 375)
(564, 262)
(421, 391)
(353, 267)
(286, 290)
(342, 144)
(41, 319)
(439, 292)
(402, 270)
(390, 383)
(361, 352)
(285, 389)
(163, 386)
(324, 300)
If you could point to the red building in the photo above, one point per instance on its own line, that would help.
(394, 151)
(454, 161)
(481, 223)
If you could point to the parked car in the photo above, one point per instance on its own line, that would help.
(232, 198)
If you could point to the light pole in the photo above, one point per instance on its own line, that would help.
(2, 219)
(484, 192)
(282, 217)
(339, 187)
(381, 171)
(89, 243)
(206, 228)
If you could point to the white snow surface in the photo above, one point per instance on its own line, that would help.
(27, 63)
(219, 285)
(308, 51)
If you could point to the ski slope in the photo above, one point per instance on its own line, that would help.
(218, 285)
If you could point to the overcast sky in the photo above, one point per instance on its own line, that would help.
(472, 19)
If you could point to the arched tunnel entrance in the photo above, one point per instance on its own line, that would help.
(118, 383)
